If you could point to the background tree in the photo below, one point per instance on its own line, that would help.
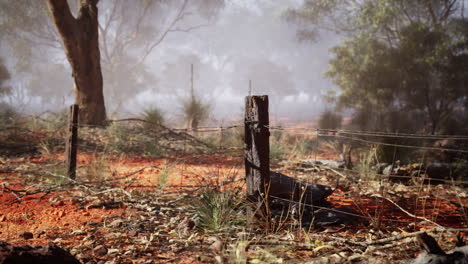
(401, 59)
(194, 109)
(129, 35)
(4, 77)
(7, 113)
(129, 32)
(81, 43)
(330, 120)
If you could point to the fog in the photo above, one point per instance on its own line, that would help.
(245, 41)
(248, 42)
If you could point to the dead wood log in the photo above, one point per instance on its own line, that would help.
(50, 254)
(285, 187)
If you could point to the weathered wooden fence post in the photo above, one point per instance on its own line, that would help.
(257, 152)
(71, 143)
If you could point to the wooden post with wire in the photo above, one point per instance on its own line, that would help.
(71, 143)
(257, 153)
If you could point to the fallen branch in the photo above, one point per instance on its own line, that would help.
(408, 213)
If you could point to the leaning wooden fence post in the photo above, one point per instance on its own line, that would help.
(71, 143)
(257, 152)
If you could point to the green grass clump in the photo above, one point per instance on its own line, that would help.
(164, 175)
(153, 116)
(218, 211)
(277, 151)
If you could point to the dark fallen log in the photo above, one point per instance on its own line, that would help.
(434, 254)
(307, 202)
(335, 216)
(285, 187)
(50, 254)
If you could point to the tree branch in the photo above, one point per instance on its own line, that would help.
(63, 19)
(180, 15)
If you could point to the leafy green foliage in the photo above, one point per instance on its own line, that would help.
(330, 120)
(400, 57)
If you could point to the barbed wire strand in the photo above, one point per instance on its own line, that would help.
(455, 182)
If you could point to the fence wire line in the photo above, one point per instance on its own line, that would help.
(455, 182)
(282, 128)
(425, 137)
(393, 133)
(397, 145)
(378, 143)
(366, 133)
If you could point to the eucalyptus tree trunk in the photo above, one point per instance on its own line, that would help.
(79, 37)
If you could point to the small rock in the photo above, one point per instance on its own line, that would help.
(2, 218)
(100, 250)
(26, 235)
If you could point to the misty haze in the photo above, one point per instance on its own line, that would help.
(233, 131)
(228, 43)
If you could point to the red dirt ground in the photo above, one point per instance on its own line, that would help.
(36, 213)
(51, 214)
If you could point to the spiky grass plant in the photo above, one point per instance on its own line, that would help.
(195, 111)
(164, 175)
(277, 151)
(153, 115)
(218, 211)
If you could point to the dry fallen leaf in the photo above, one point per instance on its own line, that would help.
(216, 244)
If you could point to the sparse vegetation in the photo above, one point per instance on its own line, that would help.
(154, 116)
(277, 150)
(219, 211)
(195, 111)
(164, 175)
(386, 159)
(330, 120)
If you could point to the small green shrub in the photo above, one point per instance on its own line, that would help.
(56, 174)
(154, 116)
(277, 151)
(96, 169)
(218, 211)
(195, 111)
(8, 115)
(164, 175)
(389, 151)
(330, 120)
(367, 159)
(153, 148)
(120, 137)
(233, 138)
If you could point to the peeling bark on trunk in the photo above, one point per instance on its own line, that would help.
(80, 39)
